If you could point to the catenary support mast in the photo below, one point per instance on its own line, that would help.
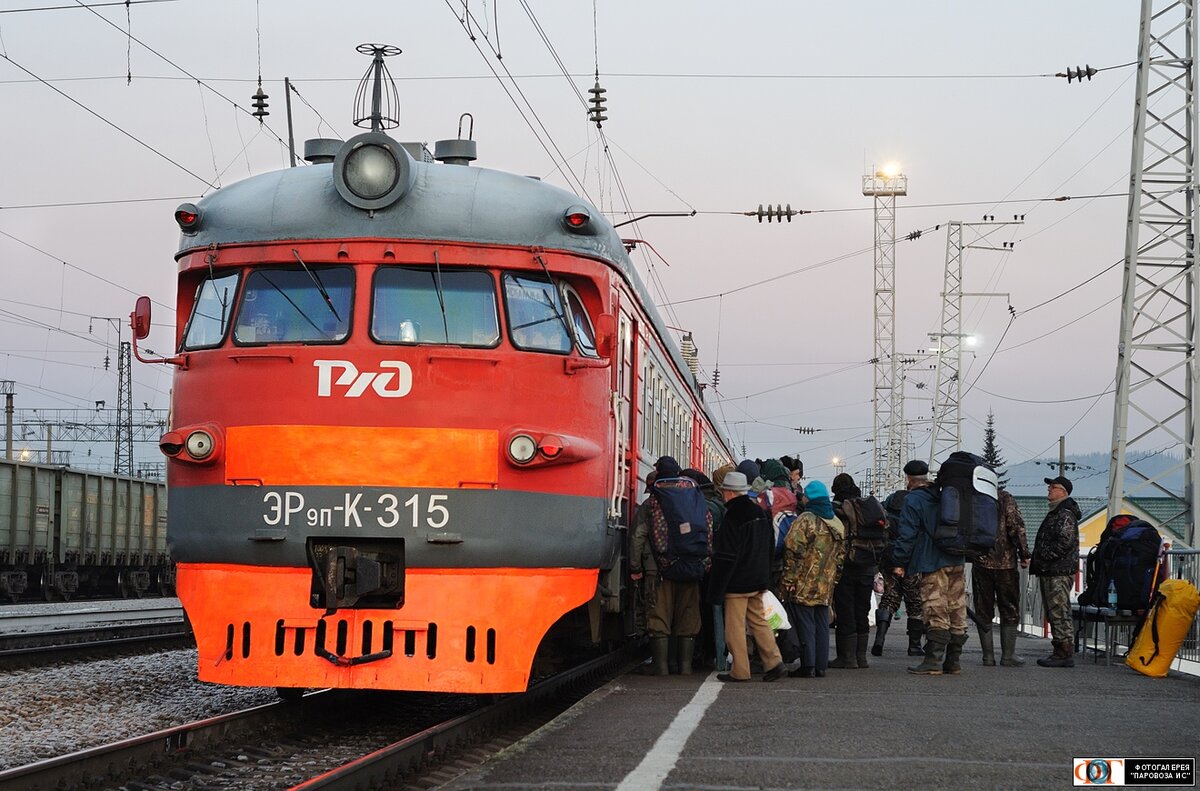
(1154, 412)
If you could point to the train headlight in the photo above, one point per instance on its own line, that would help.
(522, 448)
(199, 445)
(372, 171)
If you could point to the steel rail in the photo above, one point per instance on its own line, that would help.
(383, 768)
(113, 761)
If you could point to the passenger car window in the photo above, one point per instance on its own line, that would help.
(211, 312)
(585, 336)
(309, 305)
(535, 315)
(408, 308)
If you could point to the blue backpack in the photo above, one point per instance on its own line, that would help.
(681, 530)
(782, 523)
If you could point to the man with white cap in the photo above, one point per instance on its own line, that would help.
(741, 572)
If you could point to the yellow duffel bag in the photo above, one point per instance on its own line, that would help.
(1164, 628)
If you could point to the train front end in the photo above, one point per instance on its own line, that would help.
(391, 455)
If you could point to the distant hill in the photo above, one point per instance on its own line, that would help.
(1088, 472)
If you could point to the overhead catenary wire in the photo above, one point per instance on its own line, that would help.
(97, 115)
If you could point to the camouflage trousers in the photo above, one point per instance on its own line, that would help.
(895, 588)
(944, 594)
(994, 589)
(1056, 601)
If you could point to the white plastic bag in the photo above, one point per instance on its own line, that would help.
(774, 613)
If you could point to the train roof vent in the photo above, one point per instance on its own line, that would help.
(455, 152)
(320, 150)
(459, 151)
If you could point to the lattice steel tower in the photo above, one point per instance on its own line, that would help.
(1157, 376)
(884, 186)
(123, 436)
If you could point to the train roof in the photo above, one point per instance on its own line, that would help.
(450, 203)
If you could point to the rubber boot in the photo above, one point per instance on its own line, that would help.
(883, 619)
(916, 630)
(952, 664)
(845, 652)
(687, 648)
(988, 646)
(935, 651)
(659, 649)
(673, 655)
(1062, 656)
(1008, 645)
(860, 650)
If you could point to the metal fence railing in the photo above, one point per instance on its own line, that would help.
(1182, 564)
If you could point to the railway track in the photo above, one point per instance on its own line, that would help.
(41, 635)
(327, 740)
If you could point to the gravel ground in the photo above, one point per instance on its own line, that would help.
(46, 712)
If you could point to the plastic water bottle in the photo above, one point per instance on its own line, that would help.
(1112, 595)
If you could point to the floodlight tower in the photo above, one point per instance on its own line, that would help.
(1157, 373)
(885, 185)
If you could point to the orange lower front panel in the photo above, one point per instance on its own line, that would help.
(460, 630)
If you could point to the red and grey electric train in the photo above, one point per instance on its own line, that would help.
(412, 405)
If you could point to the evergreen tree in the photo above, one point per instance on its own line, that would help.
(991, 454)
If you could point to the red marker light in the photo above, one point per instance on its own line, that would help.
(550, 446)
(187, 216)
(577, 220)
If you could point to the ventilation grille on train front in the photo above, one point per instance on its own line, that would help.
(377, 636)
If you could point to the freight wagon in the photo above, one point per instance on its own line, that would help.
(66, 532)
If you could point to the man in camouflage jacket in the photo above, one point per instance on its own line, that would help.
(995, 584)
(1056, 561)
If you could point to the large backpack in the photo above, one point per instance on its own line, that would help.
(968, 506)
(893, 505)
(866, 529)
(1129, 558)
(782, 524)
(681, 530)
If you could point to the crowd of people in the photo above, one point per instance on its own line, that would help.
(775, 538)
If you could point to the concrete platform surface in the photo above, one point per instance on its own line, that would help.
(991, 727)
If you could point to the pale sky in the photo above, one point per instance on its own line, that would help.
(712, 106)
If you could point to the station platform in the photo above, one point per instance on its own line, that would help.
(991, 727)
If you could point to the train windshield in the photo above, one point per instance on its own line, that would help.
(211, 313)
(434, 306)
(307, 305)
(535, 314)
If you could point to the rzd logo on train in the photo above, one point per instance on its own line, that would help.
(394, 381)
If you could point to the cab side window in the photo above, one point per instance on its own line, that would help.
(211, 313)
(536, 318)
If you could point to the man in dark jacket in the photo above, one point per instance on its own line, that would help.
(916, 475)
(1055, 562)
(943, 584)
(741, 571)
